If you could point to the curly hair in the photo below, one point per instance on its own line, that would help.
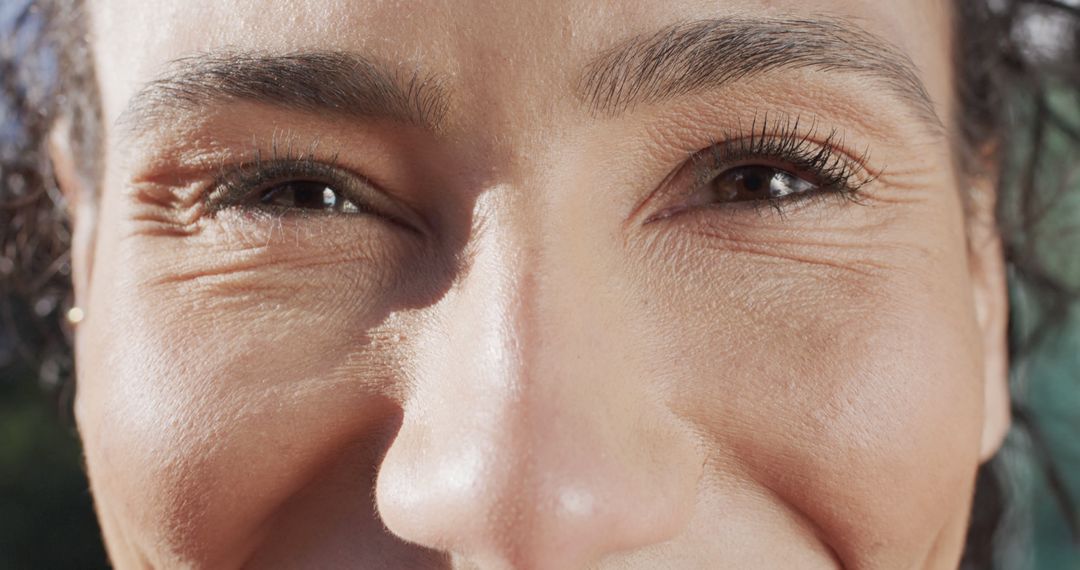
(1018, 112)
(46, 83)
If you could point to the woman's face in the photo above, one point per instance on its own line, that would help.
(558, 284)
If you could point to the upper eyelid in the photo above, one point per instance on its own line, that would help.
(830, 163)
(235, 181)
(793, 136)
(806, 151)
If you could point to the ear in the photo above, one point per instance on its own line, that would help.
(990, 294)
(78, 192)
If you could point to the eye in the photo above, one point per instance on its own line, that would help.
(308, 195)
(778, 166)
(753, 182)
(305, 187)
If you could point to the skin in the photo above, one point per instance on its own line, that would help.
(544, 376)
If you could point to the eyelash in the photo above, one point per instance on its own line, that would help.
(783, 146)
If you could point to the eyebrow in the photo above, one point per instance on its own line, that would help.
(691, 57)
(678, 60)
(322, 81)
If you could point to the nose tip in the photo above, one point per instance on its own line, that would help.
(507, 505)
(555, 498)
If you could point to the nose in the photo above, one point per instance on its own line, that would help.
(531, 438)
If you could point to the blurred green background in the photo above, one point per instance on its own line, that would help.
(46, 516)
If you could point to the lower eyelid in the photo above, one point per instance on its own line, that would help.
(793, 210)
(254, 229)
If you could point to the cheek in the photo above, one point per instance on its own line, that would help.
(847, 395)
(214, 386)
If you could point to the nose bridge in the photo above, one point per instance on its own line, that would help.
(520, 442)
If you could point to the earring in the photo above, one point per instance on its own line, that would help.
(75, 315)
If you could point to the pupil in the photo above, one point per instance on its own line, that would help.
(307, 195)
(755, 180)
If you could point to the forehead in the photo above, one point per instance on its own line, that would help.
(500, 52)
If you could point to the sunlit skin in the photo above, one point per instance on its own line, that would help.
(549, 347)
